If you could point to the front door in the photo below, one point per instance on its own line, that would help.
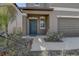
(33, 27)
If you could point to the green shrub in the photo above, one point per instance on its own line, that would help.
(55, 36)
(16, 45)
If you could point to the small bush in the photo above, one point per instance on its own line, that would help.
(54, 37)
(17, 46)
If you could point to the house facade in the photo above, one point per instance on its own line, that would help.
(39, 22)
(41, 18)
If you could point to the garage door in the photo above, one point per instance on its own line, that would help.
(69, 26)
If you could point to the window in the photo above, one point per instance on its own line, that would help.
(42, 22)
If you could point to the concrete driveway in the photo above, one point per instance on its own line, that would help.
(69, 43)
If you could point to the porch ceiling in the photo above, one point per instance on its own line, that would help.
(40, 9)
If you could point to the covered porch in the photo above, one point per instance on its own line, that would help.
(39, 22)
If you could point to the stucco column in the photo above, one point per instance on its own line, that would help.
(52, 22)
(24, 25)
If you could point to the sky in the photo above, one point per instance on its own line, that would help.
(21, 4)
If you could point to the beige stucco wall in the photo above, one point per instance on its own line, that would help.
(52, 19)
(53, 22)
(17, 21)
(24, 25)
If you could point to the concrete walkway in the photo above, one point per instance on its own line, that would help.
(69, 43)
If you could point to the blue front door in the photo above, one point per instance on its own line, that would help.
(33, 27)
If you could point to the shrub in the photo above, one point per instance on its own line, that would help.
(17, 45)
(55, 36)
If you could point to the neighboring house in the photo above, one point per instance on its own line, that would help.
(41, 18)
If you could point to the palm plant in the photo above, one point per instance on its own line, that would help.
(6, 12)
(15, 43)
